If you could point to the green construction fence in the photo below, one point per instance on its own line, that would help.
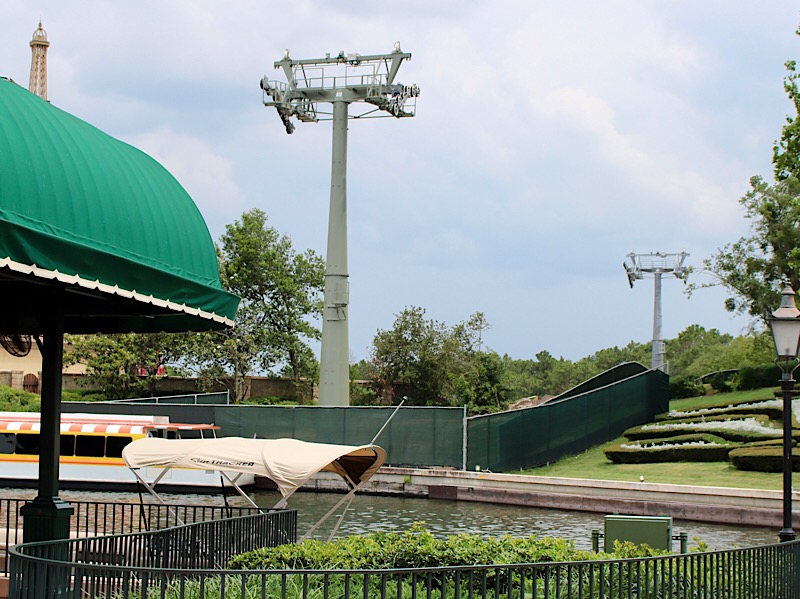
(595, 412)
(415, 436)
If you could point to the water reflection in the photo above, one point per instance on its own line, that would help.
(370, 513)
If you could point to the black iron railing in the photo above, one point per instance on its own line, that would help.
(160, 564)
(121, 564)
(92, 518)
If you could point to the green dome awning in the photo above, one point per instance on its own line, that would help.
(104, 221)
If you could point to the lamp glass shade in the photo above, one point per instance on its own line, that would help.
(785, 326)
(786, 335)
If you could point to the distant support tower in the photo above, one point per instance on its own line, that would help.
(355, 87)
(656, 264)
(38, 80)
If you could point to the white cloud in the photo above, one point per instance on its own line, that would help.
(207, 176)
(551, 138)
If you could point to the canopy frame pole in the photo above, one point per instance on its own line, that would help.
(385, 424)
(238, 488)
(283, 500)
(344, 511)
(349, 496)
(341, 518)
(152, 491)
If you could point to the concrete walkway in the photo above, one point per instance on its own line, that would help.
(753, 507)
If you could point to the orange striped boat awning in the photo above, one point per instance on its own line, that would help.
(98, 423)
(76, 427)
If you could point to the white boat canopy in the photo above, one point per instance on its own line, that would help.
(289, 463)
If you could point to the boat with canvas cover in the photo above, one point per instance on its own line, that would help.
(289, 463)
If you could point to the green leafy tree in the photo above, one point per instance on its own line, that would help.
(691, 347)
(281, 293)
(754, 349)
(547, 375)
(756, 267)
(482, 387)
(125, 365)
(439, 365)
(526, 378)
(786, 152)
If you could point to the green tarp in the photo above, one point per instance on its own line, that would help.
(595, 412)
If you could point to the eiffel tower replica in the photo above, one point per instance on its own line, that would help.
(38, 80)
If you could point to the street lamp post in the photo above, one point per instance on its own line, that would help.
(785, 326)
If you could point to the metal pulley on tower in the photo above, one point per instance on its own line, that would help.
(368, 79)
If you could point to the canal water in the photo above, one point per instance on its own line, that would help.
(370, 513)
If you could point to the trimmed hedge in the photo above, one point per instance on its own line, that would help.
(638, 433)
(772, 412)
(689, 453)
(771, 442)
(762, 459)
(759, 417)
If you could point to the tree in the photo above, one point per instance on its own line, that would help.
(439, 365)
(124, 365)
(692, 347)
(756, 267)
(786, 152)
(281, 292)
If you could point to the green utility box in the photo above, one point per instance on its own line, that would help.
(656, 531)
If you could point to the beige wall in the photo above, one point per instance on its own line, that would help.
(13, 369)
(33, 362)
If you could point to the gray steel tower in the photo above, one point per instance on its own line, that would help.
(367, 82)
(656, 264)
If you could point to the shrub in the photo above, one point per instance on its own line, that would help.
(82, 395)
(272, 401)
(763, 459)
(363, 395)
(744, 430)
(16, 400)
(723, 381)
(770, 443)
(417, 548)
(770, 408)
(684, 387)
(757, 377)
(681, 448)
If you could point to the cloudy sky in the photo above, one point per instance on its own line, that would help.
(551, 139)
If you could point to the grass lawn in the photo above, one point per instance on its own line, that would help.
(593, 464)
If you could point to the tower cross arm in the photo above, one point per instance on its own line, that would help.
(342, 58)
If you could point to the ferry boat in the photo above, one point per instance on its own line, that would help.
(91, 452)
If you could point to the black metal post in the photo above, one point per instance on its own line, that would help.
(47, 517)
(787, 386)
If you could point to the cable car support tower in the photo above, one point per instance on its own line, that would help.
(368, 84)
(656, 264)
